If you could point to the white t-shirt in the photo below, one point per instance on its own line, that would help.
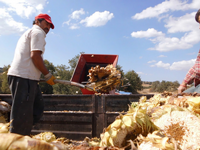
(22, 65)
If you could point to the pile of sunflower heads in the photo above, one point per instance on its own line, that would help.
(163, 122)
(104, 79)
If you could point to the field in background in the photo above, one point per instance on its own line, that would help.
(146, 89)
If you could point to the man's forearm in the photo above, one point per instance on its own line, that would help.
(38, 62)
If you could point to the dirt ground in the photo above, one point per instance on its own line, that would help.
(146, 89)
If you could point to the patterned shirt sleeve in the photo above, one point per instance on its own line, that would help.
(194, 72)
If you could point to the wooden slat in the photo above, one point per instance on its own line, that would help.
(119, 103)
(63, 126)
(67, 116)
(68, 102)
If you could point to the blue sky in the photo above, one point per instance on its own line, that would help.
(158, 39)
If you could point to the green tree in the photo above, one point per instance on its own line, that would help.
(4, 87)
(154, 86)
(134, 80)
(175, 85)
(74, 89)
(63, 73)
(1, 70)
(46, 88)
(160, 87)
(122, 77)
(73, 62)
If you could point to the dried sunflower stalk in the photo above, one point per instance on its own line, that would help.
(45, 136)
(12, 141)
(127, 127)
(157, 141)
(4, 127)
(4, 110)
(104, 79)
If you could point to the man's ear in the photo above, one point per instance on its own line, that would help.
(36, 21)
(199, 19)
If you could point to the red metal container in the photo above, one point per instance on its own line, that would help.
(86, 61)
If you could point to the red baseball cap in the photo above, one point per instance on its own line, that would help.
(46, 17)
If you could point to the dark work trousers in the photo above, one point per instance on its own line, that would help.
(27, 104)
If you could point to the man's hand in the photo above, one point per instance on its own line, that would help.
(182, 88)
(49, 78)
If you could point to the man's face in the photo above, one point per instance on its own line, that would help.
(44, 25)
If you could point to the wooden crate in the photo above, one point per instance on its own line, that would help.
(79, 116)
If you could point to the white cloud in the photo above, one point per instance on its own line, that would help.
(8, 25)
(97, 19)
(152, 61)
(74, 26)
(182, 24)
(163, 43)
(25, 8)
(160, 64)
(169, 44)
(166, 6)
(67, 22)
(185, 24)
(151, 32)
(76, 14)
(180, 65)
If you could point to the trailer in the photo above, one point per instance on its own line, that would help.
(78, 116)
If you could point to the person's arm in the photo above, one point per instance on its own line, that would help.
(39, 63)
(189, 78)
(192, 74)
(182, 87)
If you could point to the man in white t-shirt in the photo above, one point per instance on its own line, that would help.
(24, 74)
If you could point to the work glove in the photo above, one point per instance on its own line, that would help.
(49, 78)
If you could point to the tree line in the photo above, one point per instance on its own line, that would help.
(160, 87)
(130, 81)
